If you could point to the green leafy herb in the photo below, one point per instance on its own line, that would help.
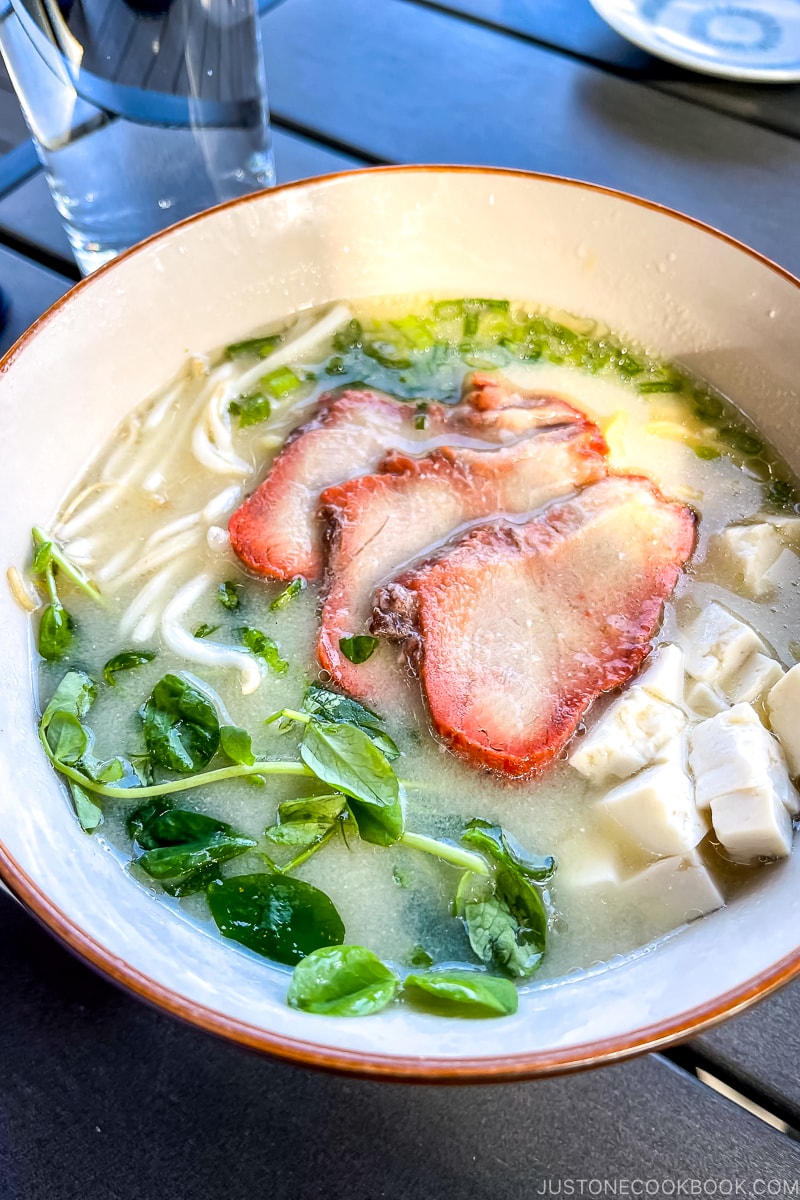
(251, 409)
(88, 812)
(126, 661)
(277, 916)
(139, 821)
(344, 757)
(260, 346)
(297, 833)
(49, 555)
(358, 648)
(281, 382)
(419, 957)
(709, 453)
(503, 849)
(204, 631)
(342, 981)
(348, 337)
(312, 808)
(331, 706)
(236, 745)
(189, 862)
(506, 921)
(56, 630)
(293, 589)
(228, 595)
(181, 727)
(68, 738)
(263, 647)
(462, 993)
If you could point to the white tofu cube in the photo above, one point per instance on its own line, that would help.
(754, 550)
(752, 823)
(704, 699)
(789, 529)
(783, 710)
(733, 752)
(757, 676)
(656, 808)
(719, 644)
(681, 888)
(588, 864)
(627, 737)
(663, 674)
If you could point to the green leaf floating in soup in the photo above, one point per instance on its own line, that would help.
(354, 513)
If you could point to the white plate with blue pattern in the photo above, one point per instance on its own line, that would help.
(756, 40)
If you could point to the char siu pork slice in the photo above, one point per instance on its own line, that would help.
(379, 523)
(276, 531)
(516, 629)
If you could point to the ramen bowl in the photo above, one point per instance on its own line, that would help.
(718, 308)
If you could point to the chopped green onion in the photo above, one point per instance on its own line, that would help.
(281, 382)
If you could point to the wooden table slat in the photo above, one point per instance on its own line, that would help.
(574, 27)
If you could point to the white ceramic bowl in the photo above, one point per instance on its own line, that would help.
(695, 295)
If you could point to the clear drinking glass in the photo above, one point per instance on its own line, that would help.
(142, 111)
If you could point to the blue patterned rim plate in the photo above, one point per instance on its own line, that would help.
(756, 40)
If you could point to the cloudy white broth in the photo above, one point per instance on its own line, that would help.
(189, 678)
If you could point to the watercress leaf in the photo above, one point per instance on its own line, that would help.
(56, 630)
(139, 821)
(503, 849)
(275, 915)
(204, 631)
(67, 738)
(75, 694)
(293, 589)
(358, 648)
(506, 921)
(235, 743)
(462, 993)
(42, 558)
(177, 862)
(126, 661)
(117, 770)
(344, 757)
(228, 595)
(297, 833)
(251, 409)
(419, 957)
(331, 706)
(342, 981)
(178, 826)
(311, 808)
(181, 728)
(87, 810)
(263, 647)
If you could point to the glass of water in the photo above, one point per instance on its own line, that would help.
(142, 111)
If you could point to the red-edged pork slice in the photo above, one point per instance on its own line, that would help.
(276, 531)
(379, 523)
(516, 629)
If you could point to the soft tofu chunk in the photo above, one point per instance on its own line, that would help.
(754, 550)
(789, 529)
(681, 888)
(629, 736)
(588, 864)
(783, 710)
(757, 676)
(752, 823)
(656, 808)
(733, 752)
(718, 645)
(704, 699)
(663, 674)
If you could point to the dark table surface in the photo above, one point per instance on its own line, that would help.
(101, 1097)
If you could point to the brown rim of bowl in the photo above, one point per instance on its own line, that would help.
(393, 1067)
